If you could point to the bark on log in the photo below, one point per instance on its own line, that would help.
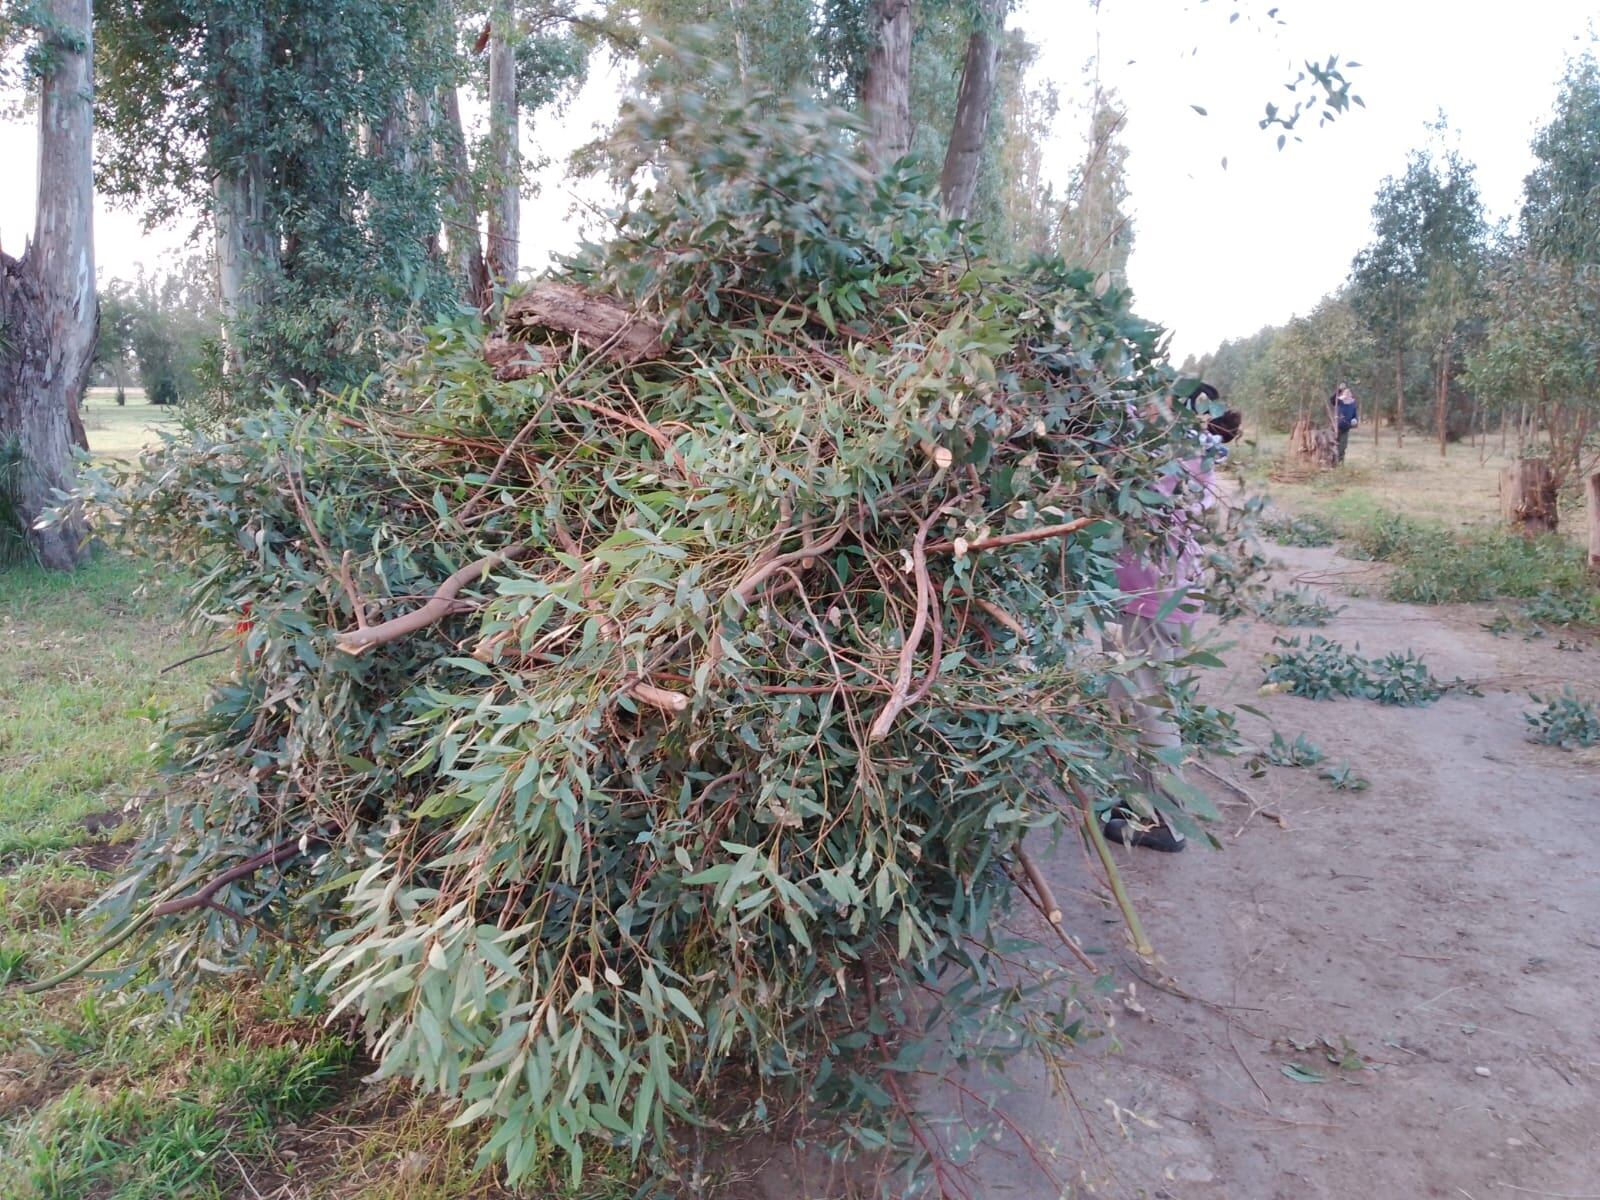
(1314, 441)
(512, 360)
(596, 322)
(1528, 496)
(1594, 522)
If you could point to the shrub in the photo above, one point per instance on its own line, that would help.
(1565, 720)
(708, 757)
(1435, 566)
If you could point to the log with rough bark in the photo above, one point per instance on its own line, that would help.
(47, 297)
(1314, 441)
(512, 360)
(596, 322)
(1528, 496)
(1593, 492)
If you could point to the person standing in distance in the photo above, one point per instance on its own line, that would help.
(1342, 408)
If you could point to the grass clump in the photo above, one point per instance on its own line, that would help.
(1566, 721)
(1436, 566)
(1288, 530)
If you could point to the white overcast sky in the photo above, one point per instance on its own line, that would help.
(1218, 252)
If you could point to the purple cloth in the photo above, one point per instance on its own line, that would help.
(1151, 582)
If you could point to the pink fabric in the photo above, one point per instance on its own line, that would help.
(1152, 582)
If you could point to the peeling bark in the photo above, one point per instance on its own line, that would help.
(47, 297)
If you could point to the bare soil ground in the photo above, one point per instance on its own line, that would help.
(1438, 932)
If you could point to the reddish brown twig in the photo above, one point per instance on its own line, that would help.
(1014, 539)
(283, 851)
(901, 695)
(350, 590)
(442, 603)
(1001, 617)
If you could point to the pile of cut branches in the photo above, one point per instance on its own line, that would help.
(670, 685)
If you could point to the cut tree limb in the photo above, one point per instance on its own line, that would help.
(597, 322)
(439, 606)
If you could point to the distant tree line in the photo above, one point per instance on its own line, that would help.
(1447, 326)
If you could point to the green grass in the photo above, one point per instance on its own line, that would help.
(80, 695)
(121, 432)
(1434, 565)
(107, 1092)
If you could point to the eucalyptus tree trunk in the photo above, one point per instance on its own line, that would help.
(47, 298)
(959, 178)
(461, 205)
(886, 86)
(246, 241)
(505, 157)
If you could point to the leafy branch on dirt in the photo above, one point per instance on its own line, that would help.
(1567, 721)
(1295, 607)
(1323, 670)
(676, 705)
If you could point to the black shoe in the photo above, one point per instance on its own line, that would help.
(1157, 837)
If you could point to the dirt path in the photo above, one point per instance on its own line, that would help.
(1444, 926)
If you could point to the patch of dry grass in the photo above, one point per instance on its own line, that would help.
(1460, 491)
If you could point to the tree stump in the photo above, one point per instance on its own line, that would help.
(1528, 496)
(1594, 522)
(1315, 442)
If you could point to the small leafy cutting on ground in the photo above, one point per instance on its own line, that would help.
(615, 710)
(1566, 720)
(1344, 778)
(1320, 670)
(1294, 607)
(1289, 530)
(1402, 679)
(1300, 753)
(1323, 670)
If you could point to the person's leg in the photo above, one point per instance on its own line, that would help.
(1159, 643)
(1344, 442)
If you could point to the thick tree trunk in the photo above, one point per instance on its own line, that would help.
(1528, 496)
(505, 156)
(47, 298)
(886, 87)
(1593, 491)
(461, 205)
(959, 178)
(246, 241)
